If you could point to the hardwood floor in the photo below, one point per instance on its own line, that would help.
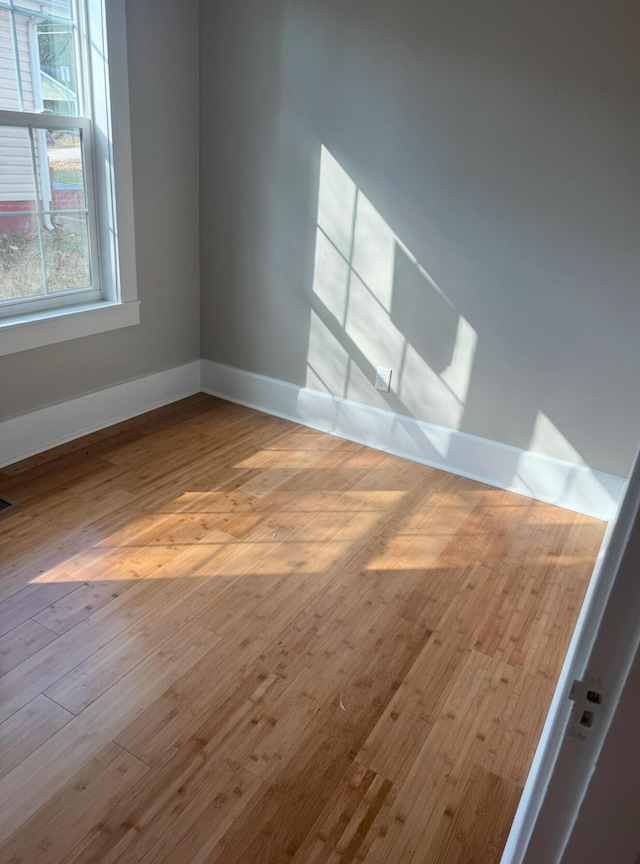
(225, 638)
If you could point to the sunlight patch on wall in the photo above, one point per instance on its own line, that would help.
(424, 392)
(359, 387)
(336, 203)
(374, 251)
(584, 489)
(371, 328)
(548, 439)
(376, 305)
(330, 277)
(328, 361)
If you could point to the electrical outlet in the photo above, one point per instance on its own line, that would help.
(383, 379)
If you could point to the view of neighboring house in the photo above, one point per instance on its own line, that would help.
(57, 98)
(45, 87)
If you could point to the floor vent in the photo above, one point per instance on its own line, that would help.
(7, 504)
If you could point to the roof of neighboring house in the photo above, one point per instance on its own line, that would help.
(52, 89)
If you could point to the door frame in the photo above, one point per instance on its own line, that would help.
(602, 649)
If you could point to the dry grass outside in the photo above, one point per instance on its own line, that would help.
(64, 138)
(69, 171)
(66, 260)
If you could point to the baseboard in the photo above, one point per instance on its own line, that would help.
(40, 430)
(575, 487)
(566, 484)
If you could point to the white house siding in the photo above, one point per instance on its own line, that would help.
(16, 177)
(8, 86)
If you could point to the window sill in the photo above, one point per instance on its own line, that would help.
(60, 325)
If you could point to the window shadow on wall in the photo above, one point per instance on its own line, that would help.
(374, 304)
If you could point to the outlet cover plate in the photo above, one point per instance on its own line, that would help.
(383, 379)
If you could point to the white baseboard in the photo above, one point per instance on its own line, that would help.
(575, 487)
(40, 430)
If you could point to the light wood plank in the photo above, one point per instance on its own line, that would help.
(32, 599)
(479, 829)
(27, 729)
(143, 598)
(21, 643)
(51, 834)
(80, 604)
(80, 740)
(179, 712)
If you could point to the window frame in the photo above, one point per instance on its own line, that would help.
(94, 292)
(102, 51)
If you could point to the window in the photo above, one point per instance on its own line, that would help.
(62, 262)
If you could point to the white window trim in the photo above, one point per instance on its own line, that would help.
(114, 190)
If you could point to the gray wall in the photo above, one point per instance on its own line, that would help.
(163, 66)
(494, 148)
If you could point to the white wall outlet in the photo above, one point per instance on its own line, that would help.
(383, 379)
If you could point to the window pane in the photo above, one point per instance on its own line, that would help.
(20, 262)
(58, 80)
(46, 58)
(64, 156)
(64, 233)
(66, 252)
(9, 98)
